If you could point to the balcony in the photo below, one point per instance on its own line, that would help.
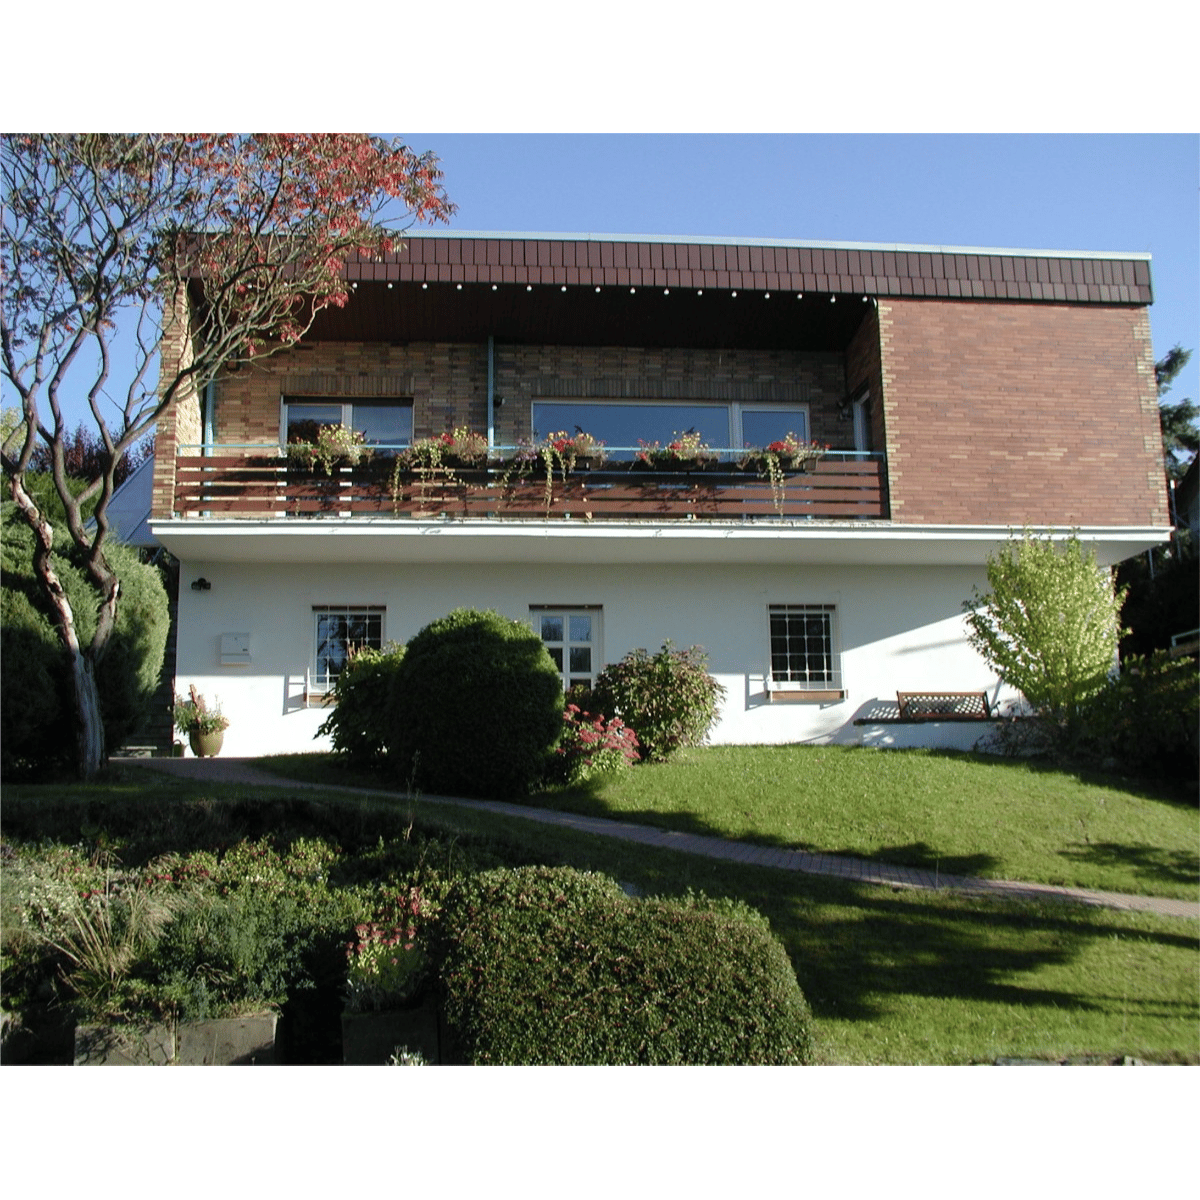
(239, 481)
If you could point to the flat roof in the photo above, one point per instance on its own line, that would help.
(707, 240)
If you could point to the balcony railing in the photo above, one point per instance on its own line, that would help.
(236, 482)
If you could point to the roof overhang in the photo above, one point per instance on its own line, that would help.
(342, 541)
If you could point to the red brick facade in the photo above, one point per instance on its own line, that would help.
(1016, 414)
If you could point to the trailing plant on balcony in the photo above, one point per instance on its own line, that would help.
(437, 457)
(559, 450)
(789, 453)
(685, 452)
(336, 445)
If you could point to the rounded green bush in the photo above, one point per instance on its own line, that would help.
(358, 724)
(37, 711)
(476, 707)
(542, 965)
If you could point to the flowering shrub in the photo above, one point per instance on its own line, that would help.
(570, 447)
(387, 965)
(669, 698)
(594, 745)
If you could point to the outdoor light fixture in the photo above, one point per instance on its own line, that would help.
(832, 299)
(424, 287)
(632, 290)
(201, 585)
(733, 294)
(563, 288)
(597, 289)
(459, 287)
(699, 291)
(766, 295)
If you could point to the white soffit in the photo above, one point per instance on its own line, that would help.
(569, 542)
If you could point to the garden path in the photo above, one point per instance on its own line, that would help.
(242, 771)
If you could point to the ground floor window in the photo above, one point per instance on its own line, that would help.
(803, 646)
(572, 638)
(382, 422)
(339, 630)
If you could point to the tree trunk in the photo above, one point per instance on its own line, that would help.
(89, 726)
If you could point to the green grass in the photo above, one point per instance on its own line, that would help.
(892, 976)
(963, 814)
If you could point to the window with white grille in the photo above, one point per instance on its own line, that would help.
(803, 646)
(340, 629)
(572, 638)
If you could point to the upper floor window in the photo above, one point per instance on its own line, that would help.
(382, 422)
(627, 423)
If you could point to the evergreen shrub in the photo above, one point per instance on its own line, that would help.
(668, 699)
(37, 708)
(549, 965)
(358, 724)
(476, 707)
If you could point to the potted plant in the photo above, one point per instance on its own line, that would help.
(388, 1002)
(336, 445)
(204, 726)
(685, 452)
(789, 453)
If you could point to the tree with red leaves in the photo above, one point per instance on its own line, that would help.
(205, 249)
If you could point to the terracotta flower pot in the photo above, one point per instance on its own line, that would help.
(206, 745)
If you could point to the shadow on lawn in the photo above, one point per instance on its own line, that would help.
(1151, 864)
(854, 947)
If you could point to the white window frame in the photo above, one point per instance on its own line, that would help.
(595, 643)
(824, 686)
(318, 684)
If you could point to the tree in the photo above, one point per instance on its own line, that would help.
(1180, 435)
(1050, 623)
(207, 250)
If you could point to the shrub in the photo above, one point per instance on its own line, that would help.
(592, 745)
(359, 721)
(37, 708)
(1049, 625)
(1147, 718)
(669, 699)
(544, 965)
(476, 707)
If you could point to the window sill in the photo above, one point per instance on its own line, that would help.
(777, 696)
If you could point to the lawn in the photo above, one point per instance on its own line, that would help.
(891, 976)
(963, 814)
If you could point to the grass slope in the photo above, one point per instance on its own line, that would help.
(891, 976)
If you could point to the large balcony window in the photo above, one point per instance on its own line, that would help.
(623, 425)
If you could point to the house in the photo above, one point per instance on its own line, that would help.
(962, 393)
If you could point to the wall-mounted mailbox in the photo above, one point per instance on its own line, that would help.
(235, 649)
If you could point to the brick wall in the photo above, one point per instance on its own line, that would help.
(1016, 414)
(526, 373)
(180, 422)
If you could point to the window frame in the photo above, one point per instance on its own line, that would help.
(595, 613)
(322, 685)
(827, 686)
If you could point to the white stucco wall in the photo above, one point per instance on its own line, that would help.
(900, 629)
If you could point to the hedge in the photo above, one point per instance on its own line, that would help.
(549, 965)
